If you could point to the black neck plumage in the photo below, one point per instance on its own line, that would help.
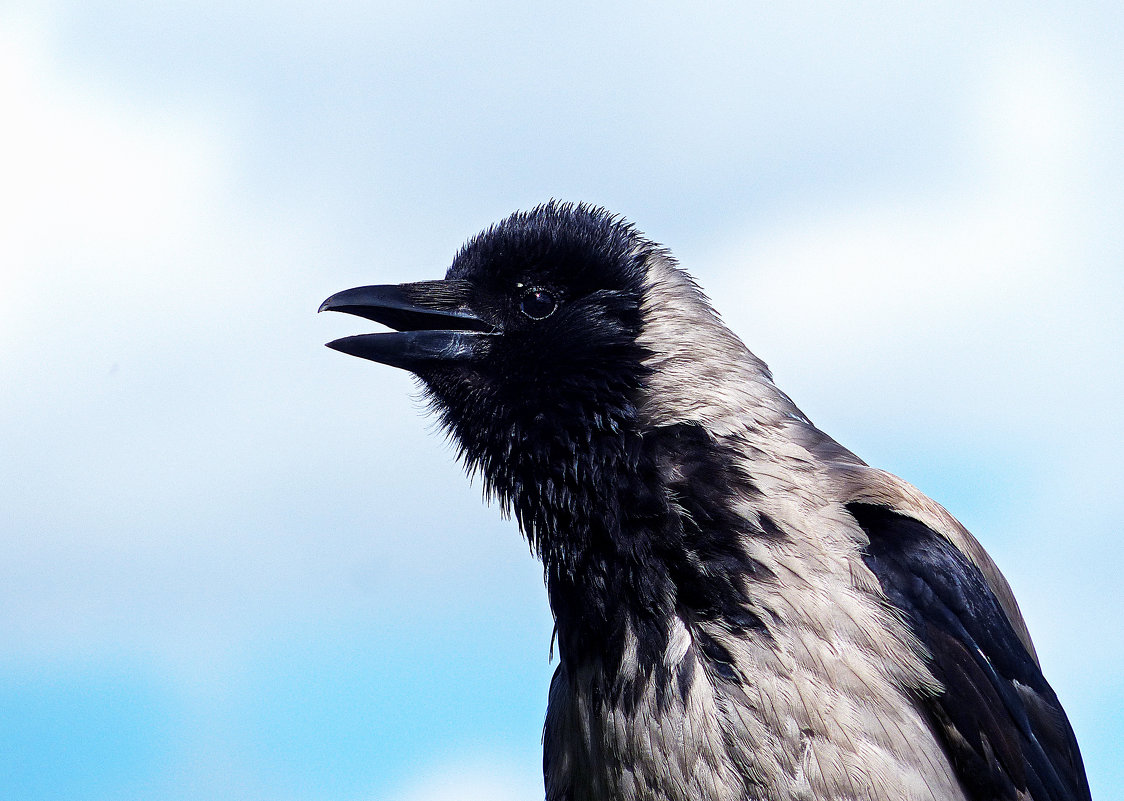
(634, 530)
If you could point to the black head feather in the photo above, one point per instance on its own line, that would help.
(564, 283)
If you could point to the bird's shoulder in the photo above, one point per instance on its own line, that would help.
(1001, 724)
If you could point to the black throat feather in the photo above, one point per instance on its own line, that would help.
(634, 528)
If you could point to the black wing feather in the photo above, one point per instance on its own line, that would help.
(1001, 724)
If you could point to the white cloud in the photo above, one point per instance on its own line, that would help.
(943, 284)
(173, 472)
(86, 171)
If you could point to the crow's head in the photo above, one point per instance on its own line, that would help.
(529, 348)
(558, 339)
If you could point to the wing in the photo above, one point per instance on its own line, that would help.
(1001, 725)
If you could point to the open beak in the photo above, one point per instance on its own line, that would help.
(432, 321)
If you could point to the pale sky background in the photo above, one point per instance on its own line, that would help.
(237, 565)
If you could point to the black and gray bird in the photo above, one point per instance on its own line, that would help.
(743, 608)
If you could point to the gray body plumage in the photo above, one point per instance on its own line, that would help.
(745, 610)
(824, 711)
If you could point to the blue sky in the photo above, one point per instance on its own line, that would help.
(236, 565)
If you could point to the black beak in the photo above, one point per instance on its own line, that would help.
(433, 321)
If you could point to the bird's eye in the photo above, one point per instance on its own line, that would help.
(538, 304)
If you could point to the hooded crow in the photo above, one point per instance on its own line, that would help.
(743, 608)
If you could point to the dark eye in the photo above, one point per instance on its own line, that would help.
(538, 304)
